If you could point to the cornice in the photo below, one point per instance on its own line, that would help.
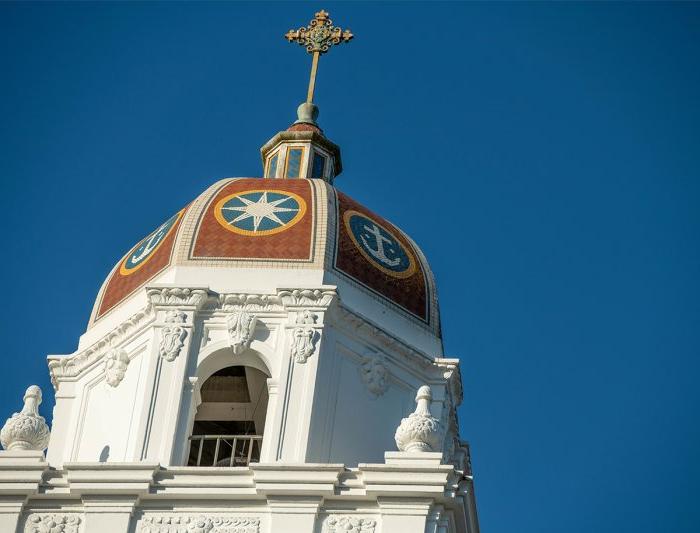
(197, 299)
(72, 365)
(355, 323)
(453, 375)
(161, 295)
(408, 477)
(303, 136)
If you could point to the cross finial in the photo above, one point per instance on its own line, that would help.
(318, 37)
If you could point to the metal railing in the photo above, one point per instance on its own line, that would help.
(224, 450)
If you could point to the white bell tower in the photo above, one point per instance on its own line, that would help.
(267, 360)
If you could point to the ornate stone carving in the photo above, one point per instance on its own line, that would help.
(306, 317)
(52, 523)
(26, 430)
(73, 365)
(176, 296)
(199, 524)
(173, 335)
(241, 328)
(304, 337)
(302, 344)
(306, 297)
(420, 431)
(374, 374)
(116, 362)
(349, 524)
(250, 302)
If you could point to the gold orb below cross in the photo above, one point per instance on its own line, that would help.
(317, 38)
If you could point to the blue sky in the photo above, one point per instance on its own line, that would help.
(544, 155)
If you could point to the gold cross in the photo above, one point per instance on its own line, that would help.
(318, 37)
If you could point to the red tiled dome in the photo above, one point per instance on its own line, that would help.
(255, 223)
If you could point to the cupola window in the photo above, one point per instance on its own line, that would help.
(319, 165)
(228, 427)
(272, 166)
(294, 157)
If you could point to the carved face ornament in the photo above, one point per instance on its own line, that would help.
(116, 362)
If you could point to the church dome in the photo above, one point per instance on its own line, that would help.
(277, 231)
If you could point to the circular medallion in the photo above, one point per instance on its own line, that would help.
(144, 250)
(259, 212)
(379, 246)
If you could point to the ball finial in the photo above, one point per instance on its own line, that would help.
(307, 113)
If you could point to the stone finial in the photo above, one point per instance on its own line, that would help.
(420, 431)
(26, 430)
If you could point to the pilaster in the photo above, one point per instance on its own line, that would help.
(21, 473)
(293, 513)
(407, 515)
(173, 331)
(108, 513)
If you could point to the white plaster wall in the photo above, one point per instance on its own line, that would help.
(107, 415)
(383, 314)
(362, 430)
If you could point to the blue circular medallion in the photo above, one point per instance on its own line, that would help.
(147, 247)
(259, 212)
(379, 246)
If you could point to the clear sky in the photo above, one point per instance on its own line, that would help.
(545, 156)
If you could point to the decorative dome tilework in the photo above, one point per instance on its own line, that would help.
(257, 219)
(376, 254)
(286, 224)
(143, 262)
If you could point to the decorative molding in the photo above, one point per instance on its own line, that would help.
(453, 375)
(462, 458)
(303, 344)
(374, 374)
(349, 524)
(116, 362)
(307, 297)
(179, 296)
(241, 328)
(420, 431)
(304, 336)
(359, 325)
(250, 302)
(192, 383)
(305, 317)
(199, 524)
(173, 335)
(52, 523)
(73, 365)
(26, 430)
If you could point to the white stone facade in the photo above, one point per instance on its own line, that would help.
(125, 408)
(336, 378)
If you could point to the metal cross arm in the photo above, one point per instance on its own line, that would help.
(318, 37)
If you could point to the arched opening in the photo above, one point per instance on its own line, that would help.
(229, 424)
